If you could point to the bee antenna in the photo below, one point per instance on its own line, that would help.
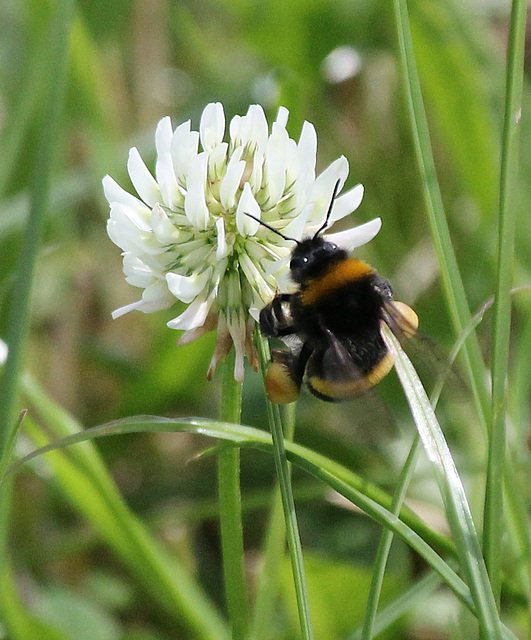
(268, 226)
(329, 212)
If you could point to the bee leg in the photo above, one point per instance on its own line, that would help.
(384, 288)
(280, 298)
(300, 362)
(281, 305)
(275, 318)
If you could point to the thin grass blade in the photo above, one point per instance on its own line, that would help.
(451, 278)
(493, 519)
(19, 310)
(269, 581)
(342, 480)
(288, 503)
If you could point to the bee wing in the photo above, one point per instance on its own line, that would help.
(433, 362)
(335, 360)
(331, 373)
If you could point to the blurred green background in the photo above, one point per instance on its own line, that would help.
(334, 63)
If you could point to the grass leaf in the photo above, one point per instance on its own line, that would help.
(451, 488)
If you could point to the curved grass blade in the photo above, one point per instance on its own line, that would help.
(336, 476)
(451, 488)
(251, 437)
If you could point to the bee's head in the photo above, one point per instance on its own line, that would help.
(312, 256)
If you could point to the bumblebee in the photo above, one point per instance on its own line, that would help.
(332, 323)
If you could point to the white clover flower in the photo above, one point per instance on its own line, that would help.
(187, 237)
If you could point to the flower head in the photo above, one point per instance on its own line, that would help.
(186, 234)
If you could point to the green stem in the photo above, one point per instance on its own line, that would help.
(230, 508)
(286, 492)
(493, 519)
(18, 320)
(396, 609)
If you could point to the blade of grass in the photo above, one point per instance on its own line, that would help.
(275, 542)
(68, 431)
(406, 475)
(230, 507)
(397, 608)
(365, 496)
(451, 278)
(452, 491)
(384, 546)
(333, 474)
(18, 319)
(493, 513)
(288, 504)
(516, 515)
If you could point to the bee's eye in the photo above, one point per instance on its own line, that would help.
(297, 263)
